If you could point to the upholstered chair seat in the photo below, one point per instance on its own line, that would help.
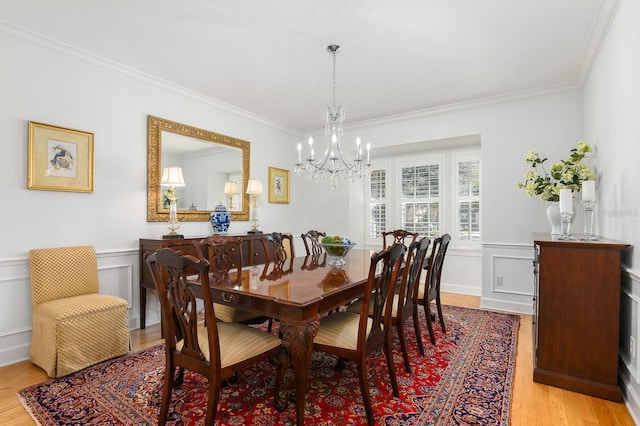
(73, 326)
(238, 343)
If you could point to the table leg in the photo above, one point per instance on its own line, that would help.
(300, 337)
(143, 307)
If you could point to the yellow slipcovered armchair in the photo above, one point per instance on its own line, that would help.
(73, 326)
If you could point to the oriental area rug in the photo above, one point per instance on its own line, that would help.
(466, 378)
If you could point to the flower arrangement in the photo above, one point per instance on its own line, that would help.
(569, 173)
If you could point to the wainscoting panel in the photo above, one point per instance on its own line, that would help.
(118, 274)
(629, 345)
(507, 277)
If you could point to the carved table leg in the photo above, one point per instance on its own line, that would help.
(300, 337)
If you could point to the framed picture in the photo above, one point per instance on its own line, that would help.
(59, 159)
(278, 185)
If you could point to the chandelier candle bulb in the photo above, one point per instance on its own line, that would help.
(299, 153)
(565, 201)
(589, 190)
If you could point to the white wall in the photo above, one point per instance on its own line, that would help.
(44, 82)
(550, 123)
(612, 121)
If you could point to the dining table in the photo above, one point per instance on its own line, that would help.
(298, 292)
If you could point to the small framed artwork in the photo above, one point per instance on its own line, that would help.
(59, 159)
(278, 185)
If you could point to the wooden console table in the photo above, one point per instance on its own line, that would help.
(252, 254)
(576, 319)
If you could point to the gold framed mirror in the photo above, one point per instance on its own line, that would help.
(208, 161)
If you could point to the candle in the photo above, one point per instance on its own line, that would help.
(358, 150)
(566, 201)
(311, 146)
(589, 190)
(299, 153)
(368, 153)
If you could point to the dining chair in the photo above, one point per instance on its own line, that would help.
(224, 255)
(73, 324)
(278, 246)
(398, 236)
(353, 336)
(405, 301)
(217, 350)
(430, 291)
(311, 240)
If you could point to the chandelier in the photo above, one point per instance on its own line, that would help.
(333, 162)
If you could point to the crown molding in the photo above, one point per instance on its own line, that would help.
(24, 34)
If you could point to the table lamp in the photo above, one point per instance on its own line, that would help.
(230, 189)
(254, 188)
(172, 177)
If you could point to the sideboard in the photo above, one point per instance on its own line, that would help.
(576, 318)
(252, 254)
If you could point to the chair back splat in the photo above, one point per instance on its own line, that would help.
(311, 242)
(225, 258)
(216, 351)
(278, 247)
(398, 236)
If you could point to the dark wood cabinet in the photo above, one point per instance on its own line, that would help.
(576, 317)
(252, 254)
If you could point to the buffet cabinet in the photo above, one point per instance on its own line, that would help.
(576, 317)
(252, 254)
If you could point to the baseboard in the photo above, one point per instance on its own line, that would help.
(507, 306)
(631, 397)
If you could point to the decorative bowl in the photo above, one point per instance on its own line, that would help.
(337, 252)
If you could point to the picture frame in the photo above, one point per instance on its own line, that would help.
(278, 185)
(59, 159)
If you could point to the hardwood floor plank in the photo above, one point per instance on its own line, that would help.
(531, 403)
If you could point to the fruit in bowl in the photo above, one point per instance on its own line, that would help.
(337, 248)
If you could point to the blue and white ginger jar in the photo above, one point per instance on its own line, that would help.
(220, 219)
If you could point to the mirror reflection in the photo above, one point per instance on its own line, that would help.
(215, 168)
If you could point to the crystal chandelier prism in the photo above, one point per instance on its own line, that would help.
(333, 163)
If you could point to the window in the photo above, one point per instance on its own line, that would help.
(468, 198)
(431, 194)
(419, 200)
(377, 203)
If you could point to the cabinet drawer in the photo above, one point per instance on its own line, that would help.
(230, 298)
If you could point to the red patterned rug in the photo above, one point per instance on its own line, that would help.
(465, 379)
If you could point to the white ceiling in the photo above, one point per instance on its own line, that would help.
(268, 57)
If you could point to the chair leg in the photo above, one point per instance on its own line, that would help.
(167, 389)
(212, 401)
(392, 369)
(403, 345)
(281, 368)
(416, 327)
(439, 306)
(364, 390)
(427, 312)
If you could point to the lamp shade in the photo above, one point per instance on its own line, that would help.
(230, 188)
(254, 187)
(172, 176)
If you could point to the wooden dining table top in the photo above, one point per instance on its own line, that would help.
(302, 280)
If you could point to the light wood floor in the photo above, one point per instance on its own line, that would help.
(532, 403)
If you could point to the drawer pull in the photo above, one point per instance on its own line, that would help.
(227, 297)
